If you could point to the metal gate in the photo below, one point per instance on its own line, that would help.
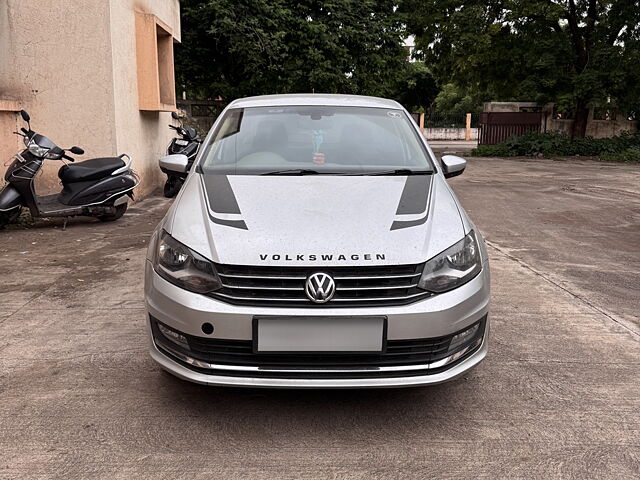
(496, 127)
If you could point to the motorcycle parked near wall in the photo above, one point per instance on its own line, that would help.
(187, 144)
(97, 187)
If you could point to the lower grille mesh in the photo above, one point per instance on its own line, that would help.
(240, 353)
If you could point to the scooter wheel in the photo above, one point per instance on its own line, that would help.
(172, 186)
(8, 217)
(120, 209)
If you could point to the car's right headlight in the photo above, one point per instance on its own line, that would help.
(183, 267)
(454, 267)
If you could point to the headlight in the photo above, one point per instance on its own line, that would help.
(183, 267)
(453, 267)
(36, 149)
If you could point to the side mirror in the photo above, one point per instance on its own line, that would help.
(452, 166)
(175, 116)
(25, 116)
(76, 150)
(175, 163)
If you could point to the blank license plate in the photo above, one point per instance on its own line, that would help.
(182, 142)
(319, 335)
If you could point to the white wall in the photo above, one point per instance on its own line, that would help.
(449, 133)
(143, 135)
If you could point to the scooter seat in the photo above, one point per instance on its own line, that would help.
(93, 169)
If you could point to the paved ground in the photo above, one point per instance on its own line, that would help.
(558, 395)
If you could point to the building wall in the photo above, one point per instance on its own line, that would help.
(60, 71)
(9, 143)
(595, 128)
(143, 135)
(77, 77)
(511, 106)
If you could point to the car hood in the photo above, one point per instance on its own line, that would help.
(316, 220)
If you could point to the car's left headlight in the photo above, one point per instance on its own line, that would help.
(183, 267)
(454, 267)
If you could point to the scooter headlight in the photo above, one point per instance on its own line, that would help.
(183, 267)
(36, 149)
(454, 267)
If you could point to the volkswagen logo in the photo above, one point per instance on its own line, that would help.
(320, 287)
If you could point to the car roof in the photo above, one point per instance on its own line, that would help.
(322, 99)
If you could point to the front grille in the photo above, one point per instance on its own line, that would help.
(355, 286)
(399, 353)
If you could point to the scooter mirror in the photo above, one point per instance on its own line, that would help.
(25, 116)
(175, 116)
(76, 150)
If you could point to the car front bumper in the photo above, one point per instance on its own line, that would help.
(433, 317)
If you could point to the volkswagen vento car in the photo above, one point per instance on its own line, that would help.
(316, 243)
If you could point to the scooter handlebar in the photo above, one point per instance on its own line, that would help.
(64, 155)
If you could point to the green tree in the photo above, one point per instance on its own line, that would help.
(581, 53)
(235, 48)
(417, 89)
(456, 100)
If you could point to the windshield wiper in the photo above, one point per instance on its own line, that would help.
(398, 171)
(292, 171)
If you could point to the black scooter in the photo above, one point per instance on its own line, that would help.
(188, 144)
(97, 188)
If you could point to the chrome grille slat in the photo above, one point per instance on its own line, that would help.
(380, 299)
(240, 287)
(271, 277)
(262, 299)
(384, 287)
(282, 286)
(379, 277)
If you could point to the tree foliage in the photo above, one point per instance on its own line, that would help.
(235, 48)
(417, 89)
(454, 99)
(578, 53)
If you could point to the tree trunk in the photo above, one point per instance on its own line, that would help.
(579, 128)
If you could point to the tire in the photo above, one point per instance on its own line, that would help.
(8, 217)
(120, 209)
(172, 186)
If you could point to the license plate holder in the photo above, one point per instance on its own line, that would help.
(319, 335)
(182, 143)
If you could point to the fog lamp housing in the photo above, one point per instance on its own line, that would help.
(464, 337)
(173, 336)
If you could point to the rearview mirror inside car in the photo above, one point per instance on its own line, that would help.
(453, 165)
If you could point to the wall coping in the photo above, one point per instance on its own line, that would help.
(9, 105)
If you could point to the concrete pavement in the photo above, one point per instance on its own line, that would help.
(557, 397)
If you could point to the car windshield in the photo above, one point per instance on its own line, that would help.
(302, 140)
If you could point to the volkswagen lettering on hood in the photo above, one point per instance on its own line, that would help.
(317, 243)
